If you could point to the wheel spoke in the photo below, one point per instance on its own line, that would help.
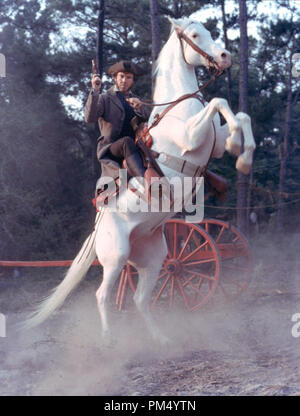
(207, 227)
(175, 240)
(162, 274)
(172, 292)
(130, 280)
(203, 275)
(196, 241)
(120, 288)
(220, 234)
(168, 239)
(161, 290)
(194, 251)
(193, 263)
(185, 298)
(185, 244)
(196, 289)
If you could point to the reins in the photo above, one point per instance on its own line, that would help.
(172, 104)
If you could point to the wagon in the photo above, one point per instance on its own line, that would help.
(204, 259)
(209, 257)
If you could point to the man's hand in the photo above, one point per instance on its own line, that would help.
(96, 82)
(135, 103)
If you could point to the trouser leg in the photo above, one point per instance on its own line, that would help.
(125, 148)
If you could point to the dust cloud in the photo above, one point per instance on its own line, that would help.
(246, 343)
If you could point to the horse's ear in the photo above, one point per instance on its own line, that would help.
(175, 23)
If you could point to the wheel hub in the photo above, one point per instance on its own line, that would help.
(173, 266)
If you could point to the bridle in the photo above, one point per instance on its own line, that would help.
(183, 37)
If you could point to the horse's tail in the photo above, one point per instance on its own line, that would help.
(75, 274)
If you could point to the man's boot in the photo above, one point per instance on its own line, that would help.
(135, 165)
(136, 168)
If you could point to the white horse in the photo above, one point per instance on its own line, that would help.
(187, 132)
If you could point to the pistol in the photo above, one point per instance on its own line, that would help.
(95, 71)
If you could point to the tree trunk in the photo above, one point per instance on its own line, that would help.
(284, 150)
(155, 30)
(242, 180)
(176, 9)
(100, 66)
(226, 41)
(99, 45)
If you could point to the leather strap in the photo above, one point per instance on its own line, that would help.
(178, 164)
(158, 117)
(182, 36)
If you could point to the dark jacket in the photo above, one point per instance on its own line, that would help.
(107, 110)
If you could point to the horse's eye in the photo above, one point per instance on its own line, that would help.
(195, 35)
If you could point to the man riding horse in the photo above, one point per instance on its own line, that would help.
(118, 111)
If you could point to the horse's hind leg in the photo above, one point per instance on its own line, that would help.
(148, 258)
(112, 252)
(103, 294)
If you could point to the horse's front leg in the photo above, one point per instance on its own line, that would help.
(244, 161)
(232, 143)
(198, 127)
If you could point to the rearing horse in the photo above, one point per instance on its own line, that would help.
(189, 132)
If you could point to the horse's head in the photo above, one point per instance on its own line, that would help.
(198, 47)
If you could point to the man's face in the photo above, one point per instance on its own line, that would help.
(124, 81)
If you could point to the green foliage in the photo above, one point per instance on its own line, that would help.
(47, 153)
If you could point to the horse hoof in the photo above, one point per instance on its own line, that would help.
(242, 166)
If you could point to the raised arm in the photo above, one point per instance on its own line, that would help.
(94, 106)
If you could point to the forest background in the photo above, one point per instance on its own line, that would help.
(48, 167)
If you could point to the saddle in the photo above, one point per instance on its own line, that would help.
(144, 142)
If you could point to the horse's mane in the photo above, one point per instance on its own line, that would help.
(183, 22)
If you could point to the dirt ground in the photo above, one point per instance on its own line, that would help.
(240, 348)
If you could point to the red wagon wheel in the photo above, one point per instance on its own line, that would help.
(190, 272)
(237, 265)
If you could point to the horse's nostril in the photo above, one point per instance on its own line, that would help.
(223, 55)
